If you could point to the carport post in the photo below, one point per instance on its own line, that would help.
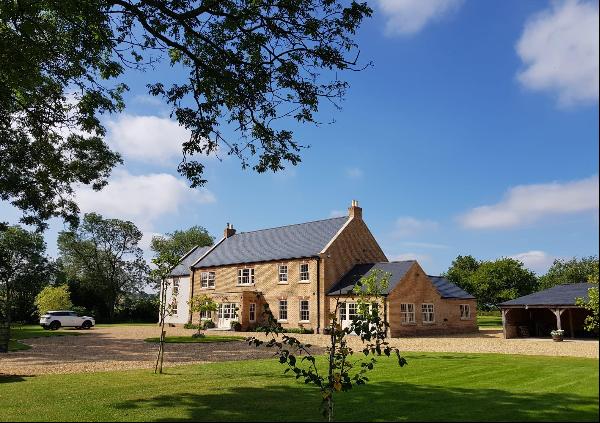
(504, 313)
(558, 312)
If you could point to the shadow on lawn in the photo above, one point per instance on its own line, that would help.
(377, 401)
(11, 378)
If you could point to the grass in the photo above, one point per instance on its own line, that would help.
(18, 333)
(116, 325)
(433, 387)
(489, 322)
(190, 340)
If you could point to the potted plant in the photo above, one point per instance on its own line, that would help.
(557, 335)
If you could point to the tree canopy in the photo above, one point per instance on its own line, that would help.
(103, 254)
(492, 282)
(250, 68)
(179, 242)
(24, 270)
(573, 270)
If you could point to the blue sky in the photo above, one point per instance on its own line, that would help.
(475, 132)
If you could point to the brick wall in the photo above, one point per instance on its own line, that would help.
(416, 288)
(266, 282)
(354, 245)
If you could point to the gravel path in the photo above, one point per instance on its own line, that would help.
(123, 347)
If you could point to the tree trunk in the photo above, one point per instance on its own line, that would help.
(158, 367)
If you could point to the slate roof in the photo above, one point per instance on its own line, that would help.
(183, 268)
(285, 242)
(397, 269)
(448, 290)
(558, 295)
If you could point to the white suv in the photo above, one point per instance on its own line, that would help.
(65, 318)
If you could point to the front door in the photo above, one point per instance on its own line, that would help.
(226, 314)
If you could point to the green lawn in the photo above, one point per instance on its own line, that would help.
(489, 322)
(18, 333)
(190, 340)
(434, 386)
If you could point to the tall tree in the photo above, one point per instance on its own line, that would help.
(104, 255)
(179, 242)
(492, 282)
(569, 271)
(24, 270)
(251, 67)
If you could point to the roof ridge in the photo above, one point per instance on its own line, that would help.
(292, 224)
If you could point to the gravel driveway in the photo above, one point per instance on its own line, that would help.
(123, 347)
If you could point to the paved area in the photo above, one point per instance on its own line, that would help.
(123, 347)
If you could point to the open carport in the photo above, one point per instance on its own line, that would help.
(541, 312)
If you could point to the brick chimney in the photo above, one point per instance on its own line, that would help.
(229, 231)
(354, 211)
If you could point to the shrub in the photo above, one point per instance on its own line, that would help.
(285, 330)
(208, 324)
(53, 298)
(236, 326)
(190, 326)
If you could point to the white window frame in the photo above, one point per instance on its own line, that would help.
(175, 290)
(283, 276)
(230, 311)
(304, 275)
(174, 307)
(428, 313)
(407, 314)
(207, 280)
(304, 310)
(249, 277)
(283, 309)
(465, 312)
(252, 312)
(206, 315)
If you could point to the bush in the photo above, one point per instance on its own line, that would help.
(190, 326)
(142, 309)
(236, 326)
(208, 324)
(53, 298)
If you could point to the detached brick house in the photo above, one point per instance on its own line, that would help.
(301, 270)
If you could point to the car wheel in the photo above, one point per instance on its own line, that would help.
(45, 327)
(54, 325)
(86, 325)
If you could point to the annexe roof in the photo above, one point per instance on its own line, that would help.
(448, 290)
(559, 295)
(285, 242)
(183, 268)
(397, 269)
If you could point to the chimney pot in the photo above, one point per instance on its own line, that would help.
(354, 211)
(229, 231)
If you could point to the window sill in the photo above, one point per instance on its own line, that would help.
(304, 321)
(283, 283)
(246, 284)
(307, 282)
(409, 323)
(282, 321)
(208, 289)
(465, 318)
(429, 323)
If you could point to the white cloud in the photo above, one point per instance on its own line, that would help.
(354, 173)
(529, 203)
(421, 258)
(407, 225)
(141, 198)
(147, 138)
(406, 17)
(536, 260)
(559, 48)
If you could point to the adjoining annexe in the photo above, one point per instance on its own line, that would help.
(298, 270)
(539, 313)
